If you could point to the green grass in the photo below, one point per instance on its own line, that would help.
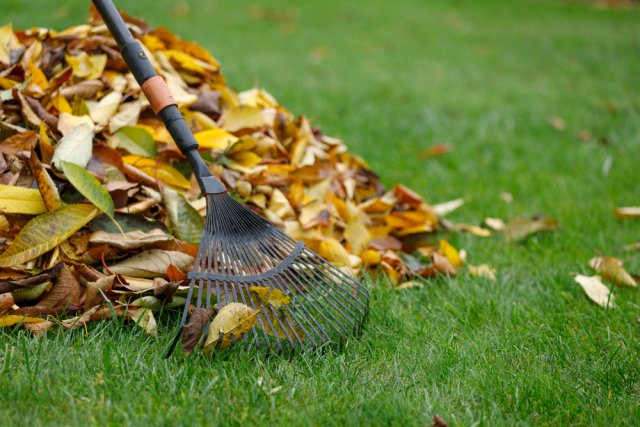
(393, 78)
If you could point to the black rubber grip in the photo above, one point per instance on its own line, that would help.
(137, 60)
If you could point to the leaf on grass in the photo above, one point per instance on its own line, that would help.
(75, 147)
(520, 229)
(217, 139)
(631, 212)
(21, 200)
(185, 220)
(38, 329)
(93, 295)
(451, 253)
(89, 186)
(65, 291)
(30, 293)
(596, 290)
(145, 319)
(45, 232)
(442, 209)
(611, 269)
(192, 331)
(272, 296)
(47, 187)
(482, 270)
(136, 140)
(152, 263)
(495, 224)
(230, 325)
(409, 284)
(13, 319)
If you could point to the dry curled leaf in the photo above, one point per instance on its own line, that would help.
(611, 269)
(520, 229)
(230, 325)
(596, 290)
(152, 263)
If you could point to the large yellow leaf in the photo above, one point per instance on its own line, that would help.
(45, 232)
(21, 200)
(217, 139)
(87, 66)
(233, 320)
(14, 319)
(237, 118)
(163, 171)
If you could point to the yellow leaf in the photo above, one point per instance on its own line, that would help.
(482, 270)
(163, 171)
(246, 159)
(217, 139)
(45, 232)
(238, 118)
(357, 235)
(8, 42)
(14, 319)
(87, 66)
(38, 77)
(409, 284)
(21, 200)
(272, 296)
(234, 320)
(47, 187)
(188, 62)
(451, 253)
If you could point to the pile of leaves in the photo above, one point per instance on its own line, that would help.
(100, 215)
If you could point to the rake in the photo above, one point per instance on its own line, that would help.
(241, 252)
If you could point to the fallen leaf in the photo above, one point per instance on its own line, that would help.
(482, 270)
(451, 253)
(161, 170)
(21, 200)
(47, 187)
(103, 110)
(239, 118)
(38, 329)
(6, 302)
(186, 222)
(45, 232)
(88, 186)
(520, 229)
(495, 224)
(230, 325)
(93, 295)
(192, 331)
(152, 263)
(438, 422)
(435, 150)
(132, 239)
(12, 319)
(409, 284)
(145, 319)
(272, 296)
(628, 212)
(75, 147)
(136, 140)
(65, 291)
(442, 209)
(217, 139)
(596, 290)
(87, 66)
(611, 269)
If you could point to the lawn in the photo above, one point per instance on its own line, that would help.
(392, 79)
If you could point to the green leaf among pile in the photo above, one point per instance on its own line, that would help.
(100, 215)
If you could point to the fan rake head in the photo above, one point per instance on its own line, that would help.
(242, 255)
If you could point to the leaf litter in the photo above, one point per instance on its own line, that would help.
(97, 204)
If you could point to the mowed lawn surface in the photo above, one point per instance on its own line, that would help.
(392, 79)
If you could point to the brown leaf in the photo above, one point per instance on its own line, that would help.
(192, 331)
(38, 329)
(65, 291)
(438, 422)
(131, 240)
(152, 263)
(630, 212)
(24, 141)
(611, 269)
(6, 302)
(95, 289)
(47, 187)
(520, 229)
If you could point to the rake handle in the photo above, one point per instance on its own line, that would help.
(157, 92)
